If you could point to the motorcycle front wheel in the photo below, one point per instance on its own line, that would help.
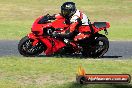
(26, 48)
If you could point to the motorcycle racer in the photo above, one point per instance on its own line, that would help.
(78, 22)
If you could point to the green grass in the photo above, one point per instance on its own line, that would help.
(17, 16)
(49, 72)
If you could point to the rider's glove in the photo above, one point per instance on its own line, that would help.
(58, 29)
(55, 34)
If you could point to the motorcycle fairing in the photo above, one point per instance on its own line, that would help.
(53, 45)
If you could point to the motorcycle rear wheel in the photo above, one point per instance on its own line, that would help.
(25, 47)
(97, 48)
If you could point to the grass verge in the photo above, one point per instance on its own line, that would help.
(53, 72)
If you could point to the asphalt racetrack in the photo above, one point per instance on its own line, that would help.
(117, 49)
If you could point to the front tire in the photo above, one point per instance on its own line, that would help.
(25, 47)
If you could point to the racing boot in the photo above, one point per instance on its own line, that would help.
(72, 45)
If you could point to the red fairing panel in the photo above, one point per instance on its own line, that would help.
(52, 48)
(48, 45)
(31, 35)
(59, 23)
(58, 45)
(38, 27)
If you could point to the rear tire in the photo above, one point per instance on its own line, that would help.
(97, 48)
(25, 47)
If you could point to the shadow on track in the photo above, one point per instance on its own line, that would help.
(111, 56)
(77, 56)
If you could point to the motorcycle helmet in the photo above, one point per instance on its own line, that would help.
(68, 9)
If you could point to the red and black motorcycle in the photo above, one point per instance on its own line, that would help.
(40, 40)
